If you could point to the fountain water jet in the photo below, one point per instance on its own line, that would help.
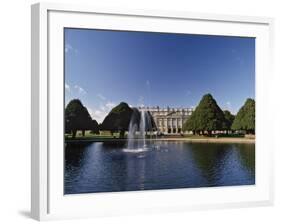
(140, 123)
(143, 127)
(133, 128)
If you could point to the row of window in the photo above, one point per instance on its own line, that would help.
(173, 130)
(165, 113)
(170, 122)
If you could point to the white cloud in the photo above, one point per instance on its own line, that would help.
(69, 48)
(102, 111)
(110, 105)
(98, 115)
(80, 90)
(228, 105)
(102, 97)
(67, 87)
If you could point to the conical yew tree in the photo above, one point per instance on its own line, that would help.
(207, 116)
(118, 119)
(245, 118)
(77, 118)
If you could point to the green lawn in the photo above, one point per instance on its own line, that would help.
(89, 135)
(107, 135)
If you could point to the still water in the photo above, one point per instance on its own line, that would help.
(109, 167)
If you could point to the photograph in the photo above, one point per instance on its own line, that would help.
(157, 111)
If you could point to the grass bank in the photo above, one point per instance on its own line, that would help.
(89, 137)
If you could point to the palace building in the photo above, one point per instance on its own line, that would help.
(169, 120)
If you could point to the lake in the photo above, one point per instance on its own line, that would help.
(110, 167)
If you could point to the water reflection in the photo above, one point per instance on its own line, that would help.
(247, 157)
(207, 158)
(225, 164)
(105, 167)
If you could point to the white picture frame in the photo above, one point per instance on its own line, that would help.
(48, 201)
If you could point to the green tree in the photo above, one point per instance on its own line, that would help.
(118, 119)
(190, 125)
(94, 127)
(207, 116)
(77, 118)
(229, 118)
(245, 118)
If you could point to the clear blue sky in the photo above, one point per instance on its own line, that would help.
(103, 68)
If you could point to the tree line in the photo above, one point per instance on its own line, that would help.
(206, 118)
(77, 118)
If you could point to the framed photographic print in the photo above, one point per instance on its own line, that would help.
(161, 111)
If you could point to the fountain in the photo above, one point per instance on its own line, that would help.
(139, 125)
(133, 128)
